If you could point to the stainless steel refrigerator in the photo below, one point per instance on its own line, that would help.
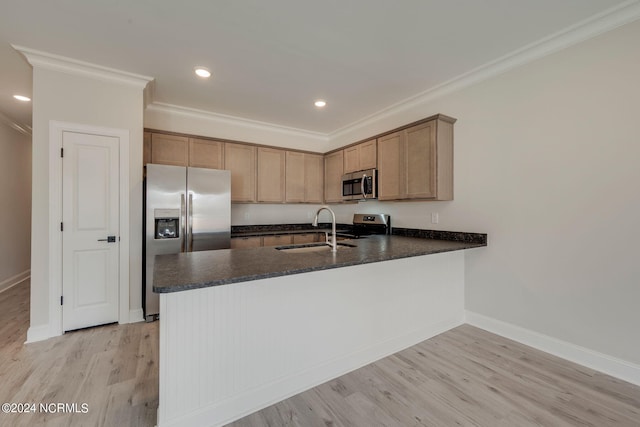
(187, 209)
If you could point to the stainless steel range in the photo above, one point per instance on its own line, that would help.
(368, 224)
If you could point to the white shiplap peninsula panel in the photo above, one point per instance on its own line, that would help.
(227, 351)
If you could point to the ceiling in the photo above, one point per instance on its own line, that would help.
(271, 59)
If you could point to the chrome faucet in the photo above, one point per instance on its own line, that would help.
(334, 242)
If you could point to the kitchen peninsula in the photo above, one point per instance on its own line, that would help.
(241, 329)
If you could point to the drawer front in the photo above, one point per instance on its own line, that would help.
(246, 242)
(278, 240)
(305, 238)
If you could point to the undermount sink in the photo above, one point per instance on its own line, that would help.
(313, 247)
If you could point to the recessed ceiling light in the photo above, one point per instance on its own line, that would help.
(22, 98)
(320, 103)
(203, 72)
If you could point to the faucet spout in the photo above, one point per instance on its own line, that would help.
(334, 242)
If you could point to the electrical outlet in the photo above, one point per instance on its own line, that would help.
(434, 217)
(246, 215)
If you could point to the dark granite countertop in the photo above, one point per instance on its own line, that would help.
(181, 272)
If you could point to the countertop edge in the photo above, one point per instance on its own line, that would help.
(253, 277)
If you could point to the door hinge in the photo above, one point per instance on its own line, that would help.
(62, 152)
(61, 299)
(61, 227)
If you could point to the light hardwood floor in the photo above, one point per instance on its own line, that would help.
(464, 377)
(113, 369)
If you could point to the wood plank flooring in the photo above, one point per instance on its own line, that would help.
(113, 369)
(464, 377)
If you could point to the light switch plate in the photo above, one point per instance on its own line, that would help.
(434, 217)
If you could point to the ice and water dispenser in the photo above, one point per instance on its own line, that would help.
(167, 223)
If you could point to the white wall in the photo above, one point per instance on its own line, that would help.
(83, 100)
(546, 163)
(15, 205)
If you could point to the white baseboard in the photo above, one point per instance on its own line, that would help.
(14, 280)
(609, 365)
(136, 315)
(38, 333)
(43, 332)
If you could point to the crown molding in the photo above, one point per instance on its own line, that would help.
(149, 93)
(607, 20)
(235, 121)
(23, 129)
(72, 66)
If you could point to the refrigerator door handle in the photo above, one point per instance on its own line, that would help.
(183, 243)
(190, 247)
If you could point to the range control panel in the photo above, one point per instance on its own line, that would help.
(371, 219)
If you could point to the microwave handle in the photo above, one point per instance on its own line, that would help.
(362, 185)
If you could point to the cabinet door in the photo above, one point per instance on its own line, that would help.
(305, 238)
(368, 154)
(277, 240)
(333, 171)
(246, 242)
(420, 161)
(351, 159)
(390, 167)
(444, 160)
(313, 178)
(271, 171)
(295, 177)
(169, 150)
(205, 153)
(360, 157)
(240, 159)
(146, 149)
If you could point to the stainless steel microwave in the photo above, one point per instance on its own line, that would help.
(361, 185)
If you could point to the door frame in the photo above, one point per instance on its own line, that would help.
(56, 129)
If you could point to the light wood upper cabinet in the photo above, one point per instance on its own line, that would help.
(414, 162)
(390, 171)
(271, 175)
(417, 162)
(351, 158)
(360, 157)
(420, 161)
(295, 172)
(206, 153)
(304, 177)
(169, 149)
(182, 151)
(313, 178)
(240, 159)
(333, 171)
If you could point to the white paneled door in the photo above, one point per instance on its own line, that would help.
(90, 230)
